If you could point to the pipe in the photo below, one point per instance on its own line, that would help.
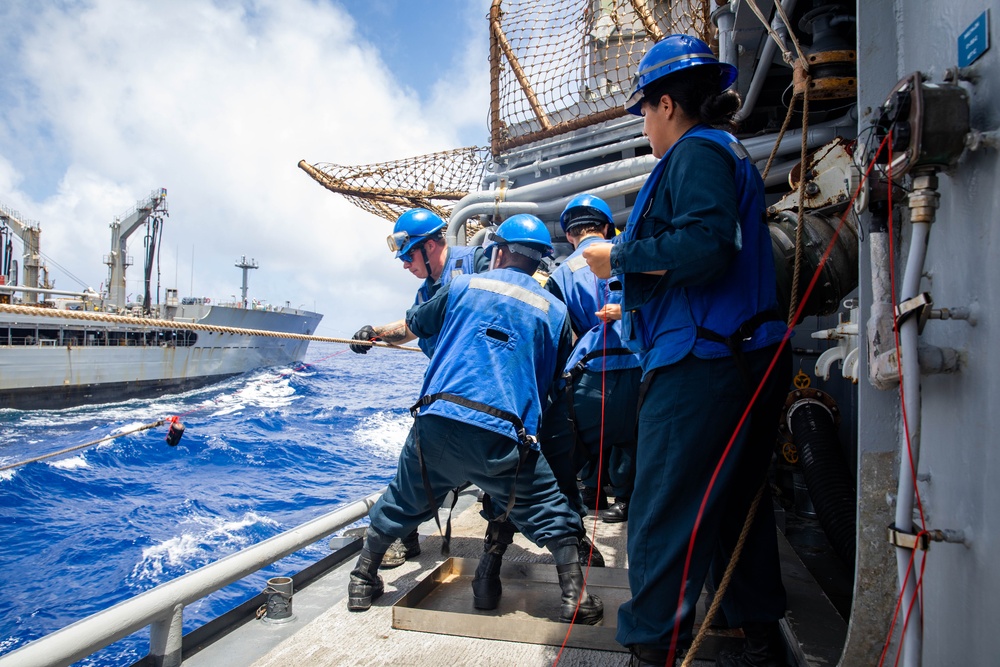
(546, 208)
(587, 180)
(764, 64)
(815, 434)
(611, 125)
(883, 369)
(545, 165)
(724, 19)
(10, 289)
(566, 185)
(922, 202)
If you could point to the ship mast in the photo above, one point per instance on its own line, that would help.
(121, 229)
(246, 266)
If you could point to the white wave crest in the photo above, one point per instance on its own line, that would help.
(383, 433)
(72, 463)
(209, 537)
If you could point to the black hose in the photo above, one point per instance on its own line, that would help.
(830, 485)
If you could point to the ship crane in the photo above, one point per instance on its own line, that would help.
(117, 261)
(29, 232)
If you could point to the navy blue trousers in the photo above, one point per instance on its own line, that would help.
(620, 396)
(690, 411)
(455, 453)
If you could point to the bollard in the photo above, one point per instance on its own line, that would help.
(278, 608)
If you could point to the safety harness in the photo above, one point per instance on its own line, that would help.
(525, 444)
(735, 341)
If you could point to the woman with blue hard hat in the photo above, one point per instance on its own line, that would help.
(700, 310)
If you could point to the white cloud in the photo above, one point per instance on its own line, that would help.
(217, 102)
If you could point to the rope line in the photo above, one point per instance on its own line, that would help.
(724, 584)
(144, 427)
(190, 326)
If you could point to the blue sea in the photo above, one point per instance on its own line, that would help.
(261, 453)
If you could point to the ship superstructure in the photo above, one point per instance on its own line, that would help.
(53, 357)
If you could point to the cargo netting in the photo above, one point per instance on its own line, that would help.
(555, 66)
(559, 65)
(434, 181)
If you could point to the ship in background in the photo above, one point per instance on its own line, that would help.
(76, 348)
(887, 437)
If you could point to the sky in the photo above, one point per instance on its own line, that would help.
(104, 101)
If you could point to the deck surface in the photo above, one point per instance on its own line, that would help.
(325, 633)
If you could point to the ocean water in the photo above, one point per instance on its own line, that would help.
(262, 453)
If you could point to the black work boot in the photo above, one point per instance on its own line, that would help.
(763, 647)
(486, 586)
(365, 584)
(645, 655)
(402, 550)
(578, 606)
(597, 560)
(617, 513)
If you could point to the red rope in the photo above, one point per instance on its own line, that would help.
(909, 448)
(600, 464)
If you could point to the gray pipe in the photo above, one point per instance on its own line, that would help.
(547, 208)
(725, 19)
(544, 165)
(489, 202)
(764, 64)
(922, 215)
(566, 185)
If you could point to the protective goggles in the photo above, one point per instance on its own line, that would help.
(399, 242)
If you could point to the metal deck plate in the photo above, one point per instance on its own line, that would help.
(529, 608)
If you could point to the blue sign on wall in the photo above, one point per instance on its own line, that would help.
(975, 40)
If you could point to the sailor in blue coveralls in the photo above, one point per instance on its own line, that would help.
(418, 239)
(699, 308)
(502, 340)
(602, 376)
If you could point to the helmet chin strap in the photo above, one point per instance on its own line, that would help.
(427, 262)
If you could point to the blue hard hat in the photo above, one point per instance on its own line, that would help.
(524, 230)
(412, 228)
(672, 54)
(585, 209)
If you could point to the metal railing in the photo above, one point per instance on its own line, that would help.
(162, 608)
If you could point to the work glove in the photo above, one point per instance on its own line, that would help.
(364, 333)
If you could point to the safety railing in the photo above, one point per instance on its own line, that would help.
(162, 608)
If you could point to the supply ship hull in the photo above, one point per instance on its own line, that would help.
(61, 362)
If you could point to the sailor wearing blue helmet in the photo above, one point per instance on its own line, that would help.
(418, 239)
(502, 341)
(597, 411)
(700, 311)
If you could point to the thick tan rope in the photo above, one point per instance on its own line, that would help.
(190, 326)
(777, 143)
(720, 593)
(144, 427)
(793, 301)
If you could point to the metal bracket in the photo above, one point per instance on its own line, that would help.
(919, 305)
(897, 538)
